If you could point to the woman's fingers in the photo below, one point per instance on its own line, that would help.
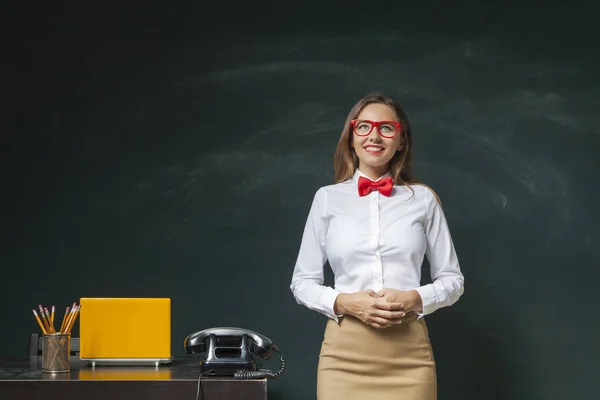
(389, 315)
(383, 304)
(386, 325)
(380, 312)
(384, 319)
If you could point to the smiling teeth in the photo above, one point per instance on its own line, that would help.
(373, 148)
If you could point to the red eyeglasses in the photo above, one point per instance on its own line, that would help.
(387, 129)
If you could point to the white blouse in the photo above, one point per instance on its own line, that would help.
(375, 242)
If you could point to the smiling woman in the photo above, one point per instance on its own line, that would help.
(375, 225)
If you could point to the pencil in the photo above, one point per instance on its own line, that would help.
(52, 330)
(70, 319)
(62, 326)
(43, 316)
(52, 316)
(74, 318)
(39, 321)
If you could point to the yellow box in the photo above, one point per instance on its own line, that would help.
(125, 331)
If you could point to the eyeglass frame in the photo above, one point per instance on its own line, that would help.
(376, 124)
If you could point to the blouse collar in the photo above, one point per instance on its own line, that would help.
(358, 173)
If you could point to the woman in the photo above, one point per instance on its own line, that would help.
(374, 226)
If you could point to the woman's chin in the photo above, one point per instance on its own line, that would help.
(376, 160)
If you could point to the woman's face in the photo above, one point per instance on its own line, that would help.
(375, 150)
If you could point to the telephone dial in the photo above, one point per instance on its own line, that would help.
(229, 351)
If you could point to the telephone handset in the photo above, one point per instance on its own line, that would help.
(229, 351)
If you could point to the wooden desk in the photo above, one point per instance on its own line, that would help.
(23, 379)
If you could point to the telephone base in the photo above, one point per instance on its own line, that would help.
(227, 368)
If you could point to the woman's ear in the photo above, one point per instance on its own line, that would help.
(400, 144)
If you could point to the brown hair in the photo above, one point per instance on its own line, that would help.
(345, 160)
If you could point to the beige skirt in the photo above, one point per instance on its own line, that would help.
(358, 361)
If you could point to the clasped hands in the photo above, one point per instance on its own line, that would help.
(380, 309)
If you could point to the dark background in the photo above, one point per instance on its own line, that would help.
(173, 150)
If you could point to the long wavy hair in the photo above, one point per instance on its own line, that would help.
(345, 160)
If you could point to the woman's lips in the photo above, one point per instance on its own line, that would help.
(374, 149)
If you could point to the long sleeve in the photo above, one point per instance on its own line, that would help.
(308, 276)
(447, 279)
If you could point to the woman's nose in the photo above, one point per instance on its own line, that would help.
(374, 135)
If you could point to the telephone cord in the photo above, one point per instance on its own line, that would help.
(200, 389)
(263, 373)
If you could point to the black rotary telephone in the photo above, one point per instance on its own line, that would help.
(229, 352)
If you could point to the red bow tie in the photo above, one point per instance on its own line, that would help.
(365, 186)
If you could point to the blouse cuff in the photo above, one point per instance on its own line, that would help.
(428, 298)
(328, 300)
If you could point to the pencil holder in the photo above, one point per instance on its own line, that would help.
(56, 349)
